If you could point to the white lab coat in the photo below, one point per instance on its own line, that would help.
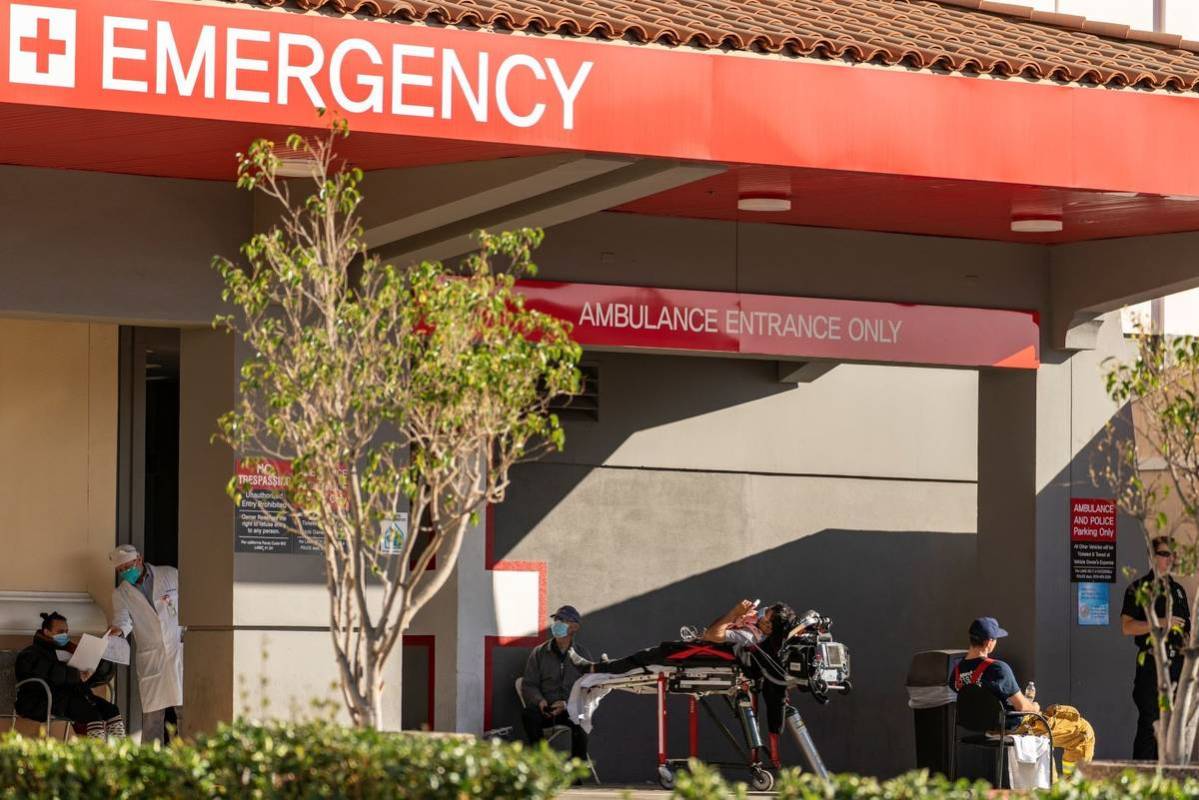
(156, 631)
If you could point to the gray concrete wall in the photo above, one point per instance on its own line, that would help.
(811, 262)
(704, 481)
(115, 248)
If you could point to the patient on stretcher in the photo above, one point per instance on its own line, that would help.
(742, 626)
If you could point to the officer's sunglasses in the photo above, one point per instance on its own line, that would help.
(1163, 553)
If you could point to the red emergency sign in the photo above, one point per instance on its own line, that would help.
(650, 318)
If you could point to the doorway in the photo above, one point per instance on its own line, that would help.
(147, 461)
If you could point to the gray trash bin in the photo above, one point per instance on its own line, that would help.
(932, 704)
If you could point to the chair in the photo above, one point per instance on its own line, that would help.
(983, 715)
(554, 731)
(9, 690)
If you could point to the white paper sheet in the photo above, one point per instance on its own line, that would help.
(117, 650)
(88, 653)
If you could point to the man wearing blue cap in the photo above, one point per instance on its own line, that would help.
(552, 668)
(1068, 729)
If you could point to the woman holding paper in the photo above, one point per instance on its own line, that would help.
(70, 696)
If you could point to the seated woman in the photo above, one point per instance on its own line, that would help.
(71, 697)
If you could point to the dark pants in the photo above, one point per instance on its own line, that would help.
(83, 707)
(535, 724)
(1144, 694)
(642, 658)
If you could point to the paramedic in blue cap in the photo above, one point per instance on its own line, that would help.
(552, 668)
(1069, 730)
(979, 668)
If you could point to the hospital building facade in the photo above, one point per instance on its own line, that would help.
(846, 276)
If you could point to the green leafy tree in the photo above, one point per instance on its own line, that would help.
(1152, 467)
(389, 389)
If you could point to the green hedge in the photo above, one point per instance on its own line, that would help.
(266, 762)
(704, 783)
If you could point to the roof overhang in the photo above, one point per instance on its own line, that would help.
(392, 79)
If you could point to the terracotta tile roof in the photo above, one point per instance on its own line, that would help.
(979, 36)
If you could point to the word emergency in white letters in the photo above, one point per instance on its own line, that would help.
(405, 80)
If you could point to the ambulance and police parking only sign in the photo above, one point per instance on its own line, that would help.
(1092, 540)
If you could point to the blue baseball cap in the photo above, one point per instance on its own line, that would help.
(987, 628)
(568, 614)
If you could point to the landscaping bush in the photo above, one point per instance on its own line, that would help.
(276, 761)
(706, 784)
(90, 770)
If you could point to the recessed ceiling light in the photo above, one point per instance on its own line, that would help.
(296, 168)
(763, 202)
(1121, 194)
(1038, 224)
(1183, 198)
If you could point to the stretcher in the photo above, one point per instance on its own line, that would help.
(709, 673)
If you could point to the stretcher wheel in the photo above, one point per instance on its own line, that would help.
(665, 777)
(761, 780)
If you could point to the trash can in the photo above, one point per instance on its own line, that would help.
(932, 703)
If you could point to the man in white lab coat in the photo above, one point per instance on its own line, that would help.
(146, 605)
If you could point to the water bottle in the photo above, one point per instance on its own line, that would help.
(1030, 691)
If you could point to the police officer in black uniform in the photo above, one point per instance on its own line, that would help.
(1134, 622)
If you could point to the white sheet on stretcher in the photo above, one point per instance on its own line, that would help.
(588, 690)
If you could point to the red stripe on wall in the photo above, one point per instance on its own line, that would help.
(430, 645)
(492, 642)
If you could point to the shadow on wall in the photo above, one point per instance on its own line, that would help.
(883, 607)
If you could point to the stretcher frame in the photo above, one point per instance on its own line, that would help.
(699, 683)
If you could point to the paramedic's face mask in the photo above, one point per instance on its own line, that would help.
(559, 629)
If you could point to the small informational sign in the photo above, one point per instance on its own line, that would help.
(1092, 540)
(1094, 604)
(393, 533)
(264, 517)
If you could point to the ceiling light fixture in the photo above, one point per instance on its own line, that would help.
(296, 168)
(1183, 198)
(764, 202)
(1039, 223)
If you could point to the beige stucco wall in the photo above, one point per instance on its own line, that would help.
(58, 436)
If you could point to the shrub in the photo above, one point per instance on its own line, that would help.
(91, 770)
(277, 761)
(701, 782)
(706, 784)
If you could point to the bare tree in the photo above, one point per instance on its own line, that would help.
(1152, 467)
(387, 389)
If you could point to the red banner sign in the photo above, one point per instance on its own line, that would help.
(254, 65)
(1092, 540)
(789, 327)
(1092, 520)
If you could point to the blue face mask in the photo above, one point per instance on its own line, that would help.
(559, 629)
(61, 639)
(132, 574)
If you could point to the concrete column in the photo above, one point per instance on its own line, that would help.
(206, 390)
(1038, 440)
(1007, 518)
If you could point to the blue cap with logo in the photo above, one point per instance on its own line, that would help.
(567, 614)
(987, 628)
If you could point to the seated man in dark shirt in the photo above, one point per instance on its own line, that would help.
(1067, 728)
(552, 668)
